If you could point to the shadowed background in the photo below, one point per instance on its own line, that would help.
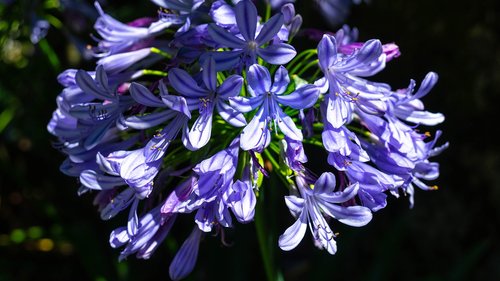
(47, 232)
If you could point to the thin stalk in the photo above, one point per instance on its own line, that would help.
(268, 11)
(309, 65)
(160, 52)
(260, 226)
(309, 53)
(154, 72)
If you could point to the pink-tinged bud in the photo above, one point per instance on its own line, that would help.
(391, 50)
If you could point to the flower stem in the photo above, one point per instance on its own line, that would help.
(160, 52)
(154, 72)
(262, 236)
(268, 11)
(300, 58)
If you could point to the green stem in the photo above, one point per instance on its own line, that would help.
(268, 11)
(160, 52)
(154, 72)
(309, 65)
(307, 53)
(260, 226)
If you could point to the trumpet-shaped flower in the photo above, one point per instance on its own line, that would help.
(247, 47)
(206, 98)
(316, 201)
(267, 97)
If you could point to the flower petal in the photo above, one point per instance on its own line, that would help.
(230, 87)
(224, 38)
(327, 52)
(225, 60)
(93, 180)
(119, 203)
(98, 133)
(243, 201)
(222, 14)
(259, 79)
(325, 184)
(304, 97)
(287, 126)
(339, 196)
(150, 120)
(280, 53)
(183, 83)
(176, 103)
(338, 111)
(420, 117)
(89, 86)
(244, 104)
(143, 96)
(256, 134)
(246, 19)
(352, 215)
(269, 29)
(209, 74)
(230, 115)
(369, 53)
(202, 129)
(281, 80)
(185, 259)
(427, 84)
(295, 205)
(294, 234)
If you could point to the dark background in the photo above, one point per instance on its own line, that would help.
(47, 232)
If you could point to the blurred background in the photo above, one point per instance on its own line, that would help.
(48, 232)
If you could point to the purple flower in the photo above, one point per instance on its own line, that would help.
(267, 96)
(347, 90)
(408, 106)
(214, 192)
(293, 154)
(153, 229)
(184, 12)
(247, 47)
(206, 98)
(313, 203)
(178, 113)
(118, 37)
(117, 63)
(292, 21)
(96, 118)
(347, 44)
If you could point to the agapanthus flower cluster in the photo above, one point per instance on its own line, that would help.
(190, 110)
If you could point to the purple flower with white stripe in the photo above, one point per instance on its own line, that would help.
(118, 37)
(179, 115)
(116, 124)
(408, 106)
(313, 203)
(206, 99)
(346, 90)
(247, 47)
(179, 12)
(214, 186)
(98, 117)
(267, 97)
(153, 229)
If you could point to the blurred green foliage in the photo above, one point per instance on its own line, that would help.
(47, 232)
